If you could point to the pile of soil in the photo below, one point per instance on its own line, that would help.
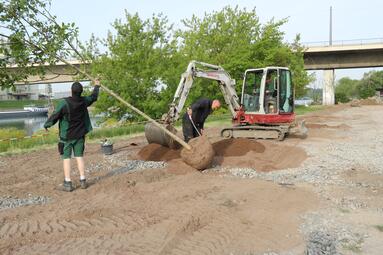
(239, 152)
(276, 156)
(366, 101)
(371, 101)
(237, 147)
(156, 152)
(226, 148)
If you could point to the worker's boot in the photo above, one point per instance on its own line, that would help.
(67, 186)
(83, 184)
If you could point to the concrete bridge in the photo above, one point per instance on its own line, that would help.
(58, 73)
(325, 58)
(329, 58)
(343, 56)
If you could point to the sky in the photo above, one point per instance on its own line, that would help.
(352, 20)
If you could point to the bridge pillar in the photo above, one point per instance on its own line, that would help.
(328, 87)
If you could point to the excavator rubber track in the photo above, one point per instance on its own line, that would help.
(257, 131)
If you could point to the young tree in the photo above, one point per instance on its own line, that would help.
(139, 55)
(346, 89)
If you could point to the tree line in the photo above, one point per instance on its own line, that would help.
(144, 58)
(347, 89)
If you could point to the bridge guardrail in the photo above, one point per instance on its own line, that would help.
(345, 42)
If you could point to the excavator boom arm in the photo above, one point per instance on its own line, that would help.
(212, 72)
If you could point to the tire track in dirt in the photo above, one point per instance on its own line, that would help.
(55, 236)
(210, 239)
(55, 226)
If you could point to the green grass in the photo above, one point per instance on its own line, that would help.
(343, 210)
(356, 247)
(18, 145)
(379, 227)
(116, 131)
(19, 104)
(11, 132)
(301, 109)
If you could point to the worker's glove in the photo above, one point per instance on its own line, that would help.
(189, 111)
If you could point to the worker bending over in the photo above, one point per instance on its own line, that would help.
(74, 123)
(195, 116)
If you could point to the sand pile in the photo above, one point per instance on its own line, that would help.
(226, 147)
(237, 147)
(276, 156)
(156, 152)
(239, 152)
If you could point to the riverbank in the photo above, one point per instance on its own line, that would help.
(13, 141)
(9, 105)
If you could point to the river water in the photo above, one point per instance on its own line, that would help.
(32, 124)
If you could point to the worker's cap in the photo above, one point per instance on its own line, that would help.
(76, 88)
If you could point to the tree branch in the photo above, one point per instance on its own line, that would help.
(49, 16)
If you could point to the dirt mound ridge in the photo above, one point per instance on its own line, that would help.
(237, 147)
(318, 126)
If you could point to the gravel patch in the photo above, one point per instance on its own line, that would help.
(326, 234)
(112, 162)
(321, 243)
(136, 165)
(8, 202)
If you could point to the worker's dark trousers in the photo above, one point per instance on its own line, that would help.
(188, 129)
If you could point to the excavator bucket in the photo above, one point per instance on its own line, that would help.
(300, 129)
(154, 134)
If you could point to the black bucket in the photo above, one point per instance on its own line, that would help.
(107, 149)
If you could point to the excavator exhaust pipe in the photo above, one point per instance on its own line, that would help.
(154, 134)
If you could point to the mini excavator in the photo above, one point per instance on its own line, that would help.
(264, 110)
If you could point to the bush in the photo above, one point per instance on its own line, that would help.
(11, 133)
(341, 97)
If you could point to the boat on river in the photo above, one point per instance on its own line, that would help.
(28, 111)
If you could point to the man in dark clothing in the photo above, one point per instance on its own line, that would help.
(74, 123)
(195, 116)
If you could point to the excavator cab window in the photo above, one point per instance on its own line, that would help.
(286, 92)
(252, 90)
(271, 91)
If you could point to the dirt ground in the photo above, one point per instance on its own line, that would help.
(175, 209)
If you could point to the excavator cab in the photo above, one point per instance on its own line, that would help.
(267, 96)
